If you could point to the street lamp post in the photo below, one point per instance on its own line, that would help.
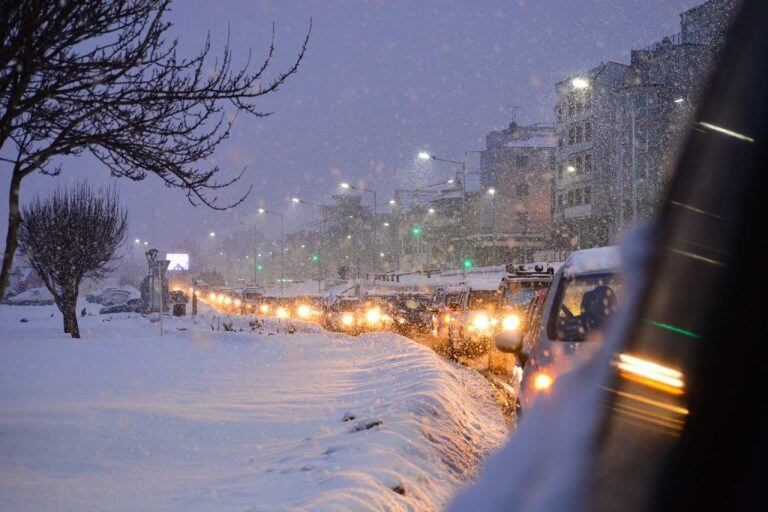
(347, 186)
(262, 211)
(427, 156)
(320, 261)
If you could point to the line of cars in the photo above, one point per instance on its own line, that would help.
(528, 326)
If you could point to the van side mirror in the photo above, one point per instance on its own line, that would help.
(509, 342)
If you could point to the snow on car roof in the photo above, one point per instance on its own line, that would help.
(598, 259)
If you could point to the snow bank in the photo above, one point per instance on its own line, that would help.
(207, 420)
(34, 296)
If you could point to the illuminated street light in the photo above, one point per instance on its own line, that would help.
(212, 234)
(345, 185)
(392, 202)
(386, 224)
(146, 243)
(295, 200)
(492, 191)
(579, 83)
(679, 100)
(423, 155)
(137, 241)
(431, 211)
(570, 168)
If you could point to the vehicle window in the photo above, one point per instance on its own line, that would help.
(583, 305)
(483, 299)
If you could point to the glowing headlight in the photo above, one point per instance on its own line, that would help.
(481, 322)
(447, 319)
(400, 320)
(304, 311)
(237, 302)
(227, 301)
(211, 296)
(347, 319)
(264, 308)
(542, 381)
(282, 313)
(510, 323)
(373, 316)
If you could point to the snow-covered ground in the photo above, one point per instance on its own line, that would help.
(210, 420)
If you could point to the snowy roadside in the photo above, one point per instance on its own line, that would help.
(202, 419)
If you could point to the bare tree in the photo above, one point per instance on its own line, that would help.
(70, 236)
(100, 77)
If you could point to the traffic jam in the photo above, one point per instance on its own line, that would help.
(521, 326)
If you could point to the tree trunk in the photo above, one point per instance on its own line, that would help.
(12, 235)
(69, 311)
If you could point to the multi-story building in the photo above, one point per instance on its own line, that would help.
(619, 128)
(584, 179)
(516, 175)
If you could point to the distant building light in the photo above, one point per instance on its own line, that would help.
(570, 168)
(392, 202)
(431, 211)
(492, 191)
(679, 100)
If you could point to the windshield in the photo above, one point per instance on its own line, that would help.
(583, 305)
(483, 299)
(518, 294)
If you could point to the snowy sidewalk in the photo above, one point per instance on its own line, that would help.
(202, 420)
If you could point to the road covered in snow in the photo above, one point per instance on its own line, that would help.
(202, 419)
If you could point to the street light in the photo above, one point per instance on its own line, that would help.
(318, 257)
(347, 186)
(579, 83)
(263, 211)
(423, 155)
(212, 234)
(492, 191)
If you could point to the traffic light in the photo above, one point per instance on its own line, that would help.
(416, 230)
(315, 258)
(467, 263)
(260, 267)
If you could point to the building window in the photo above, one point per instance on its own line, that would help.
(578, 134)
(587, 101)
(521, 218)
(560, 202)
(560, 113)
(521, 189)
(577, 196)
(570, 135)
(560, 142)
(559, 171)
(588, 131)
(521, 160)
(571, 100)
(588, 163)
(570, 198)
(588, 195)
(577, 163)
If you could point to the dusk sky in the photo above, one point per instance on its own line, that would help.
(380, 81)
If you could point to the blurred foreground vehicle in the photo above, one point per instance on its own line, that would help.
(671, 413)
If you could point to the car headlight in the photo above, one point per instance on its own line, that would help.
(347, 319)
(373, 316)
(264, 308)
(542, 381)
(282, 313)
(304, 311)
(481, 322)
(510, 323)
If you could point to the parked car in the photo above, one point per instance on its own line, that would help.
(343, 316)
(411, 314)
(129, 306)
(472, 319)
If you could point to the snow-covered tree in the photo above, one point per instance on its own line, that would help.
(71, 235)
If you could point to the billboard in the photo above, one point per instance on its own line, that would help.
(178, 261)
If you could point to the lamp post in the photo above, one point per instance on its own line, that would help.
(320, 261)
(348, 186)
(423, 155)
(262, 211)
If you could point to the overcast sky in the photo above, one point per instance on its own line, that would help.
(381, 80)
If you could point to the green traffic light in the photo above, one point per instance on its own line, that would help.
(259, 267)
(315, 257)
(416, 230)
(467, 263)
